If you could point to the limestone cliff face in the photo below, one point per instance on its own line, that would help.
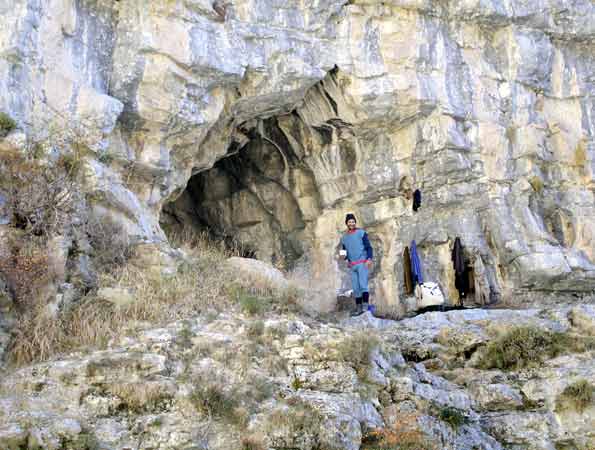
(280, 117)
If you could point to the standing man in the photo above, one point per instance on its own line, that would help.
(358, 252)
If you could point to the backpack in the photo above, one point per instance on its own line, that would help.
(428, 294)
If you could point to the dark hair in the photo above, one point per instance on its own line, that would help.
(349, 217)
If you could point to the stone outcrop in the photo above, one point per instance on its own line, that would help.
(268, 122)
(229, 381)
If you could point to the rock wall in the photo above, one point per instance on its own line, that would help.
(323, 108)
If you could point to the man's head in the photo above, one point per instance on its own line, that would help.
(350, 221)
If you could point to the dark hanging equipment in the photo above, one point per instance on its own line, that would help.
(416, 199)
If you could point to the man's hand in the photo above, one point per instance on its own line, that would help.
(369, 263)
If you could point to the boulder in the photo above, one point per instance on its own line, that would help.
(117, 296)
(256, 270)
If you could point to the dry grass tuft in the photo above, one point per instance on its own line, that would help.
(529, 346)
(213, 400)
(355, 350)
(257, 296)
(253, 441)
(537, 184)
(578, 396)
(140, 397)
(298, 418)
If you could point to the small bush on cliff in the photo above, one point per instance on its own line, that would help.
(578, 396)
(357, 351)
(111, 245)
(213, 400)
(452, 416)
(529, 346)
(39, 201)
(6, 124)
(39, 198)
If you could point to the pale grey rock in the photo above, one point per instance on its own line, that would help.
(334, 377)
(258, 270)
(465, 437)
(454, 398)
(494, 397)
(534, 430)
(116, 296)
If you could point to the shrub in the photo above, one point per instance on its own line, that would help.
(255, 329)
(288, 300)
(357, 351)
(297, 384)
(259, 389)
(40, 198)
(529, 346)
(105, 158)
(27, 268)
(578, 396)
(111, 246)
(6, 124)
(275, 364)
(211, 399)
(251, 304)
(452, 416)
(82, 441)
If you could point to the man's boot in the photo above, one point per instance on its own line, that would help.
(366, 301)
(358, 307)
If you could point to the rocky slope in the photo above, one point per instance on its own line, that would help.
(230, 381)
(267, 121)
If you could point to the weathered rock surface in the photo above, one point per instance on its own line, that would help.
(296, 383)
(316, 109)
(258, 270)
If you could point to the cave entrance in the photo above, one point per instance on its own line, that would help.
(249, 199)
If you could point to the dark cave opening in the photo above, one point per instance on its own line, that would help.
(247, 199)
